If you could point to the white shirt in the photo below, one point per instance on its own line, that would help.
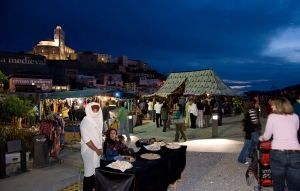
(150, 105)
(157, 107)
(193, 109)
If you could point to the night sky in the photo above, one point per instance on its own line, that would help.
(251, 44)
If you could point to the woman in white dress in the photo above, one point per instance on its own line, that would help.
(91, 143)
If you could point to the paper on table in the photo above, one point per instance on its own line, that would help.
(152, 147)
(121, 169)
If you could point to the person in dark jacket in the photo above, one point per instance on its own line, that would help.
(79, 114)
(164, 115)
(72, 112)
(219, 110)
(105, 113)
(111, 145)
(207, 113)
(249, 122)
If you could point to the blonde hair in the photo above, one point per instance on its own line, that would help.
(283, 106)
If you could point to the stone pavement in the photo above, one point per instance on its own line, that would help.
(211, 162)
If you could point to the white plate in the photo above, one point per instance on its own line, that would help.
(160, 143)
(150, 156)
(122, 158)
(152, 147)
(173, 146)
(111, 165)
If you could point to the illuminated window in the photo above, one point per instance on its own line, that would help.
(42, 50)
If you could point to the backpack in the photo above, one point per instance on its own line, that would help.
(114, 125)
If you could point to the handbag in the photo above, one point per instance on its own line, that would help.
(178, 121)
(169, 122)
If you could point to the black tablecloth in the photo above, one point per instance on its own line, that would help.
(146, 175)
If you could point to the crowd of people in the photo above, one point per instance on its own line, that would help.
(282, 126)
(201, 107)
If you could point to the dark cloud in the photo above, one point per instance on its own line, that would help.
(207, 57)
(238, 38)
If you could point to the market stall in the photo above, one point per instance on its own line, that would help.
(66, 104)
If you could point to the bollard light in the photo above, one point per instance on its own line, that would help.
(130, 123)
(215, 117)
(215, 126)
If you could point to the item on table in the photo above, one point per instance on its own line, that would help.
(130, 158)
(173, 146)
(160, 143)
(150, 156)
(124, 158)
(121, 165)
(152, 147)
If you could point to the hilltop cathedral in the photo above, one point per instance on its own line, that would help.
(53, 49)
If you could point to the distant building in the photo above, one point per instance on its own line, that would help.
(63, 71)
(88, 81)
(87, 60)
(109, 79)
(53, 49)
(103, 58)
(27, 73)
(131, 64)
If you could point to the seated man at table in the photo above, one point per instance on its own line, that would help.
(142, 142)
(111, 145)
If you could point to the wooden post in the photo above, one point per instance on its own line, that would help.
(23, 156)
(2, 160)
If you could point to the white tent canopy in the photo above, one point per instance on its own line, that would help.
(195, 83)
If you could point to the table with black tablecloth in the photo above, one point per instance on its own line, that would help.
(145, 175)
(72, 133)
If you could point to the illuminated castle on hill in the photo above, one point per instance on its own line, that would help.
(54, 49)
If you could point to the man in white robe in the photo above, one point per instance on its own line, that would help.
(91, 143)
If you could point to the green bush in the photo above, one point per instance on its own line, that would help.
(13, 107)
(11, 133)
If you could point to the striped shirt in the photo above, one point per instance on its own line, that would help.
(253, 116)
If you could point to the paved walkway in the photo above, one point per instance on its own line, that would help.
(211, 162)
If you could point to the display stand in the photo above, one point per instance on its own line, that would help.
(53, 127)
(74, 125)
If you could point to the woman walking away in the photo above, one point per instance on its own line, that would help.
(249, 123)
(200, 107)
(180, 125)
(164, 112)
(187, 115)
(207, 113)
(283, 125)
(193, 112)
